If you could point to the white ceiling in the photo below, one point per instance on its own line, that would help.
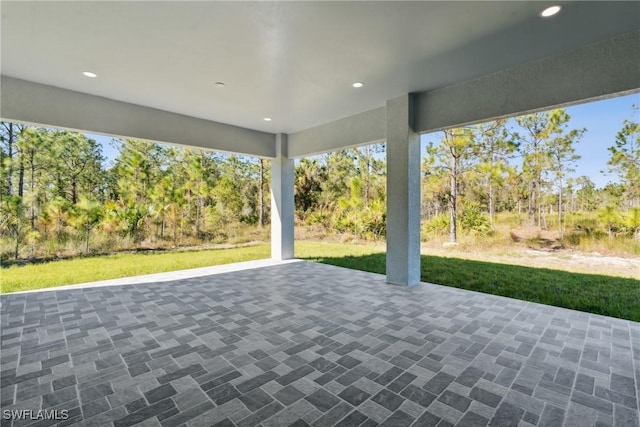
(291, 61)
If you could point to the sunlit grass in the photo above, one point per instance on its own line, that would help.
(317, 250)
(82, 270)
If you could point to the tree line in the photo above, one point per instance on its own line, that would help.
(58, 193)
(523, 166)
(526, 166)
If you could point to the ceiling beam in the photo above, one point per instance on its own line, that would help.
(359, 129)
(597, 71)
(29, 102)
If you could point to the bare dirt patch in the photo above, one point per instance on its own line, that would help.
(526, 246)
(557, 259)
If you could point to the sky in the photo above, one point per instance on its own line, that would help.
(602, 119)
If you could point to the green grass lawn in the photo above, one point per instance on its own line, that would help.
(82, 270)
(611, 296)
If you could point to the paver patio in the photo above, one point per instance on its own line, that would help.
(310, 344)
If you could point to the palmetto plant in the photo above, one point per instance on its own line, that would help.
(610, 217)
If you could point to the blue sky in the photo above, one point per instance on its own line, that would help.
(602, 119)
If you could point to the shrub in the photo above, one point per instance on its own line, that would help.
(573, 238)
(631, 222)
(472, 220)
(32, 239)
(587, 222)
(251, 219)
(314, 218)
(438, 225)
(611, 219)
(375, 220)
(375, 224)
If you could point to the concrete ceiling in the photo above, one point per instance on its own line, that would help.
(292, 61)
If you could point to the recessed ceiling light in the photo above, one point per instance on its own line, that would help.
(90, 74)
(358, 84)
(219, 84)
(550, 11)
(267, 119)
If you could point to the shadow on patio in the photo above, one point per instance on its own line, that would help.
(310, 344)
(592, 293)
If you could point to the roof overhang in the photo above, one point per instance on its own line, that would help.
(157, 62)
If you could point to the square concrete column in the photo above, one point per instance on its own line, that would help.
(282, 179)
(403, 194)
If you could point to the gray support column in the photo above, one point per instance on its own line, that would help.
(403, 194)
(282, 178)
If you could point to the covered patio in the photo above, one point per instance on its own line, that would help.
(286, 342)
(285, 80)
(298, 343)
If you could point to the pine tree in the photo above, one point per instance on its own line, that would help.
(625, 159)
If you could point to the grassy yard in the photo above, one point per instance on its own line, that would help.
(82, 270)
(611, 296)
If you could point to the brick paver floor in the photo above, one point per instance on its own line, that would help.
(309, 344)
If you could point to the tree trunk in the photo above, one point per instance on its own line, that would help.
(203, 218)
(182, 222)
(261, 193)
(538, 205)
(560, 212)
(572, 201)
(491, 204)
(32, 186)
(175, 228)
(367, 183)
(490, 183)
(17, 248)
(10, 165)
(453, 200)
(532, 202)
(198, 216)
(188, 216)
(21, 177)
(74, 190)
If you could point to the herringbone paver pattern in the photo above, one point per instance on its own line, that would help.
(308, 344)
